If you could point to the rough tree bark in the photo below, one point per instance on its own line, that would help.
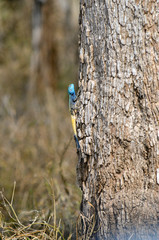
(118, 119)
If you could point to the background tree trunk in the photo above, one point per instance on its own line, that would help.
(44, 60)
(54, 45)
(118, 118)
(36, 47)
(49, 48)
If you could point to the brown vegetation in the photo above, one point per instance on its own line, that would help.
(39, 196)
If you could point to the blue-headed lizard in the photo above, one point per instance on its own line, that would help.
(81, 165)
(72, 109)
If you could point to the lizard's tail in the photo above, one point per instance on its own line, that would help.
(77, 143)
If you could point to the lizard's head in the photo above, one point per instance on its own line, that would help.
(71, 89)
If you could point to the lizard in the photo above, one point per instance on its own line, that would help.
(72, 109)
(81, 165)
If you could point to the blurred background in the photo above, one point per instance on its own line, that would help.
(38, 60)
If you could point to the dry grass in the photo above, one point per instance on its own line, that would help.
(36, 140)
(37, 150)
(38, 228)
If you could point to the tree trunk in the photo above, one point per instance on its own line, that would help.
(118, 119)
(49, 49)
(54, 44)
(44, 60)
(36, 47)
